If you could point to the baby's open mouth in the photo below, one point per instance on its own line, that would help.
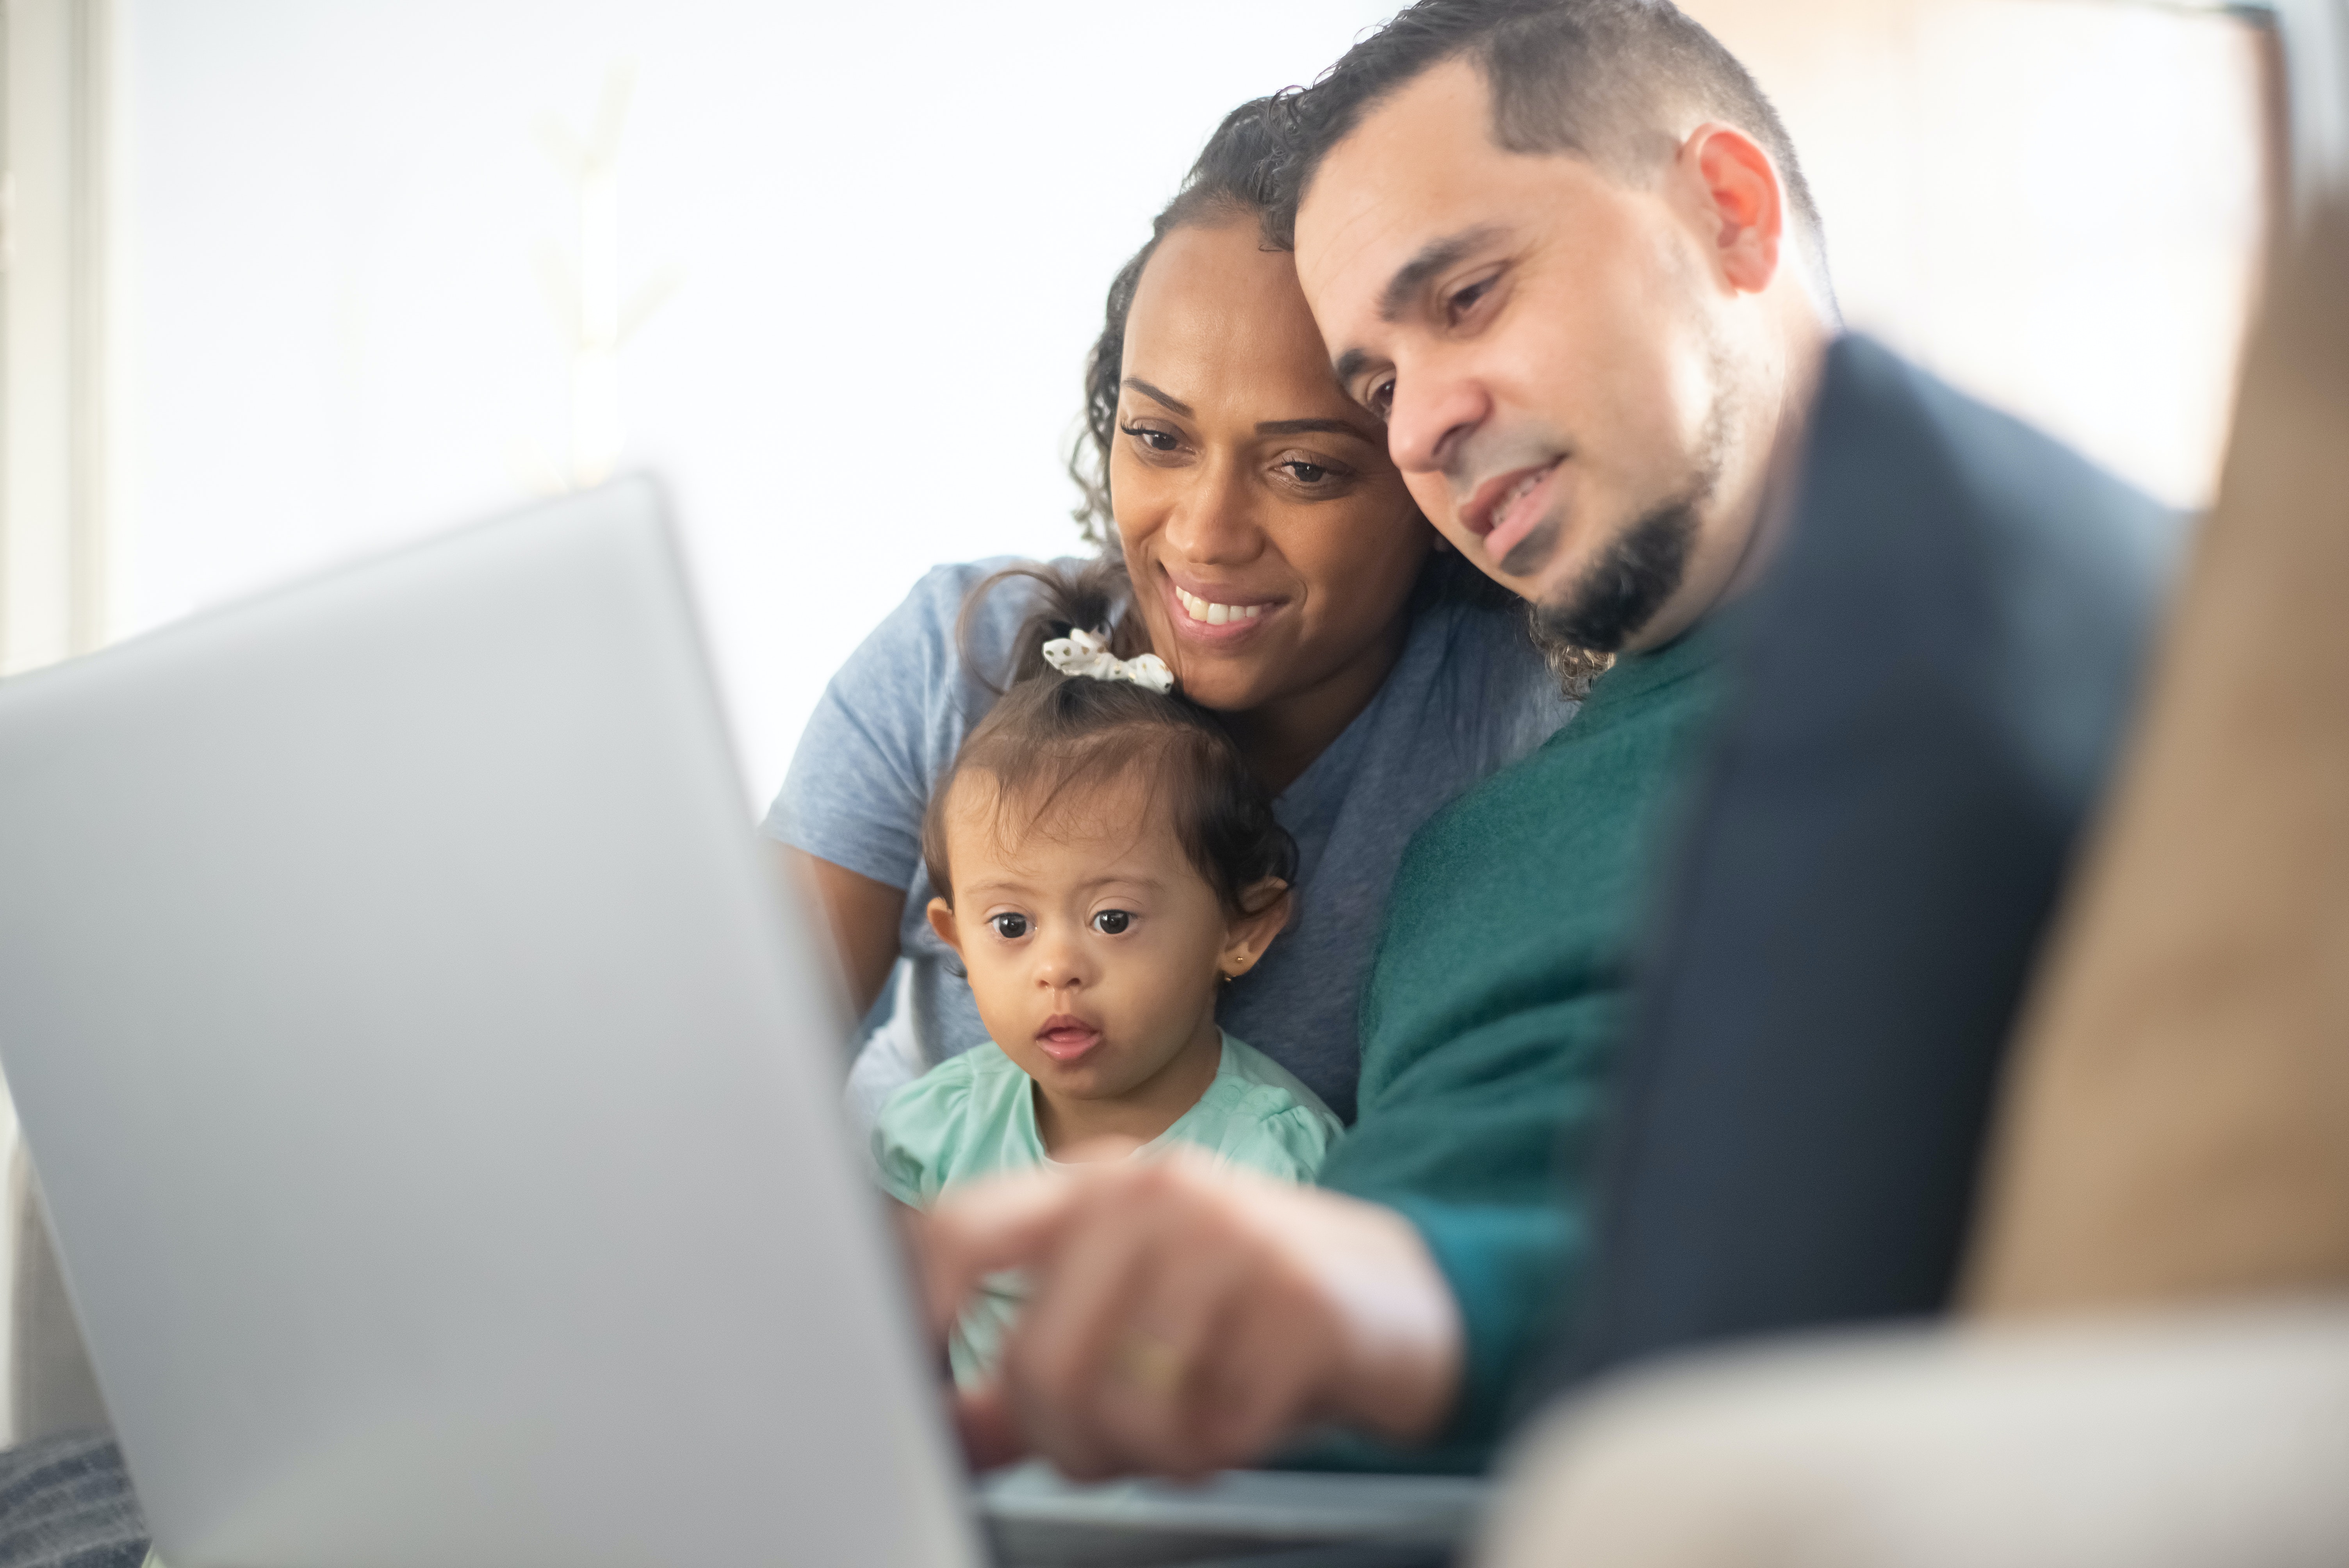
(1064, 1038)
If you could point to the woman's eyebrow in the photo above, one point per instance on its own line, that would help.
(1318, 427)
(1156, 396)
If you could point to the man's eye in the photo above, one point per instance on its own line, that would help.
(1381, 398)
(1156, 440)
(1112, 922)
(1010, 927)
(1465, 301)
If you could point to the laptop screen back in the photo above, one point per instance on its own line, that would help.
(436, 1106)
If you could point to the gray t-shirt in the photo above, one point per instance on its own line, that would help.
(1468, 695)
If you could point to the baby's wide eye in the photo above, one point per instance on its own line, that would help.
(1010, 927)
(1112, 922)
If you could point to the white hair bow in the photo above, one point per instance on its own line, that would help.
(1084, 653)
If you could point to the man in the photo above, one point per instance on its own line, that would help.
(1564, 250)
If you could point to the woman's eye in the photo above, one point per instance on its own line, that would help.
(1112, 922)
(1156, 440)
(1306, 473)
(1010, 927)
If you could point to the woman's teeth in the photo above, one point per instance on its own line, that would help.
(1215, 615)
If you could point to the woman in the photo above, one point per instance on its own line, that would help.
(1279, 565)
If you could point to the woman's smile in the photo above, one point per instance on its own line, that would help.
(1203, 612)
(1217, 614)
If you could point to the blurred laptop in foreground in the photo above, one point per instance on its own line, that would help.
(437, 1108)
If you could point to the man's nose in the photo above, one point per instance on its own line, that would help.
(1433, 409)
(1213, 520)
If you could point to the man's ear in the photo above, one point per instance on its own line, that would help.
(942, 921)
(1247, 936)
(1745, 200)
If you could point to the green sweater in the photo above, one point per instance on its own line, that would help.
(1491, 1017)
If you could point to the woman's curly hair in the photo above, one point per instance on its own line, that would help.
(1232, 179)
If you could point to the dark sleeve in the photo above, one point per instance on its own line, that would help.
(1870, 873)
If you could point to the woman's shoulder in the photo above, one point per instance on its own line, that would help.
(1482, 632)
(1483, 676)
(931, 613)
(892, 718)
(961, 1119)
(907, 683)
(1469, 695)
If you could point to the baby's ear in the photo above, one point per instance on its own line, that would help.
(942, 921)
(1249, 934)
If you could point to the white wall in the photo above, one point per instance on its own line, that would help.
(2057, 204)
(894, 226)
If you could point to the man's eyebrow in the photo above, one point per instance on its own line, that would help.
(1156, 396)
(1433, 257)
(1317, 426)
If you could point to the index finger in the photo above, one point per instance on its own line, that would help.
(998, 1224)
(989, 1431)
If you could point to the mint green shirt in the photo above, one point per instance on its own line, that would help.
(975, 1115)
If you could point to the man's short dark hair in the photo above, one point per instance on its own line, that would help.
(1602, 79)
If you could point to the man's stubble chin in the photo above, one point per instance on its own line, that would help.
(1532, 552)
(1619, 594)
(1612, 599)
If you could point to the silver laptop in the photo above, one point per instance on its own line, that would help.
(438, 1107)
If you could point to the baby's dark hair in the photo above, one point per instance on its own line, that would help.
(1051, 735)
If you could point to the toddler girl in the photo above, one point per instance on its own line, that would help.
(1107, 860)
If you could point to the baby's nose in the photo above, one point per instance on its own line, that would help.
(1058, 971)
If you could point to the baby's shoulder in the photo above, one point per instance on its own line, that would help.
(1259, 1114)
(1260, 1081)
(969, 1116)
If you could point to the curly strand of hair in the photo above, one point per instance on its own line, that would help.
(1095, 595)
(1233, 180)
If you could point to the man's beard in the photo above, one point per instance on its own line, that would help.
(1641, 568)
(1620, 592)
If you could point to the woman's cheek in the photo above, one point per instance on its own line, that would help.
(1346, 563)
(1152, 603)
(1389, 543)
